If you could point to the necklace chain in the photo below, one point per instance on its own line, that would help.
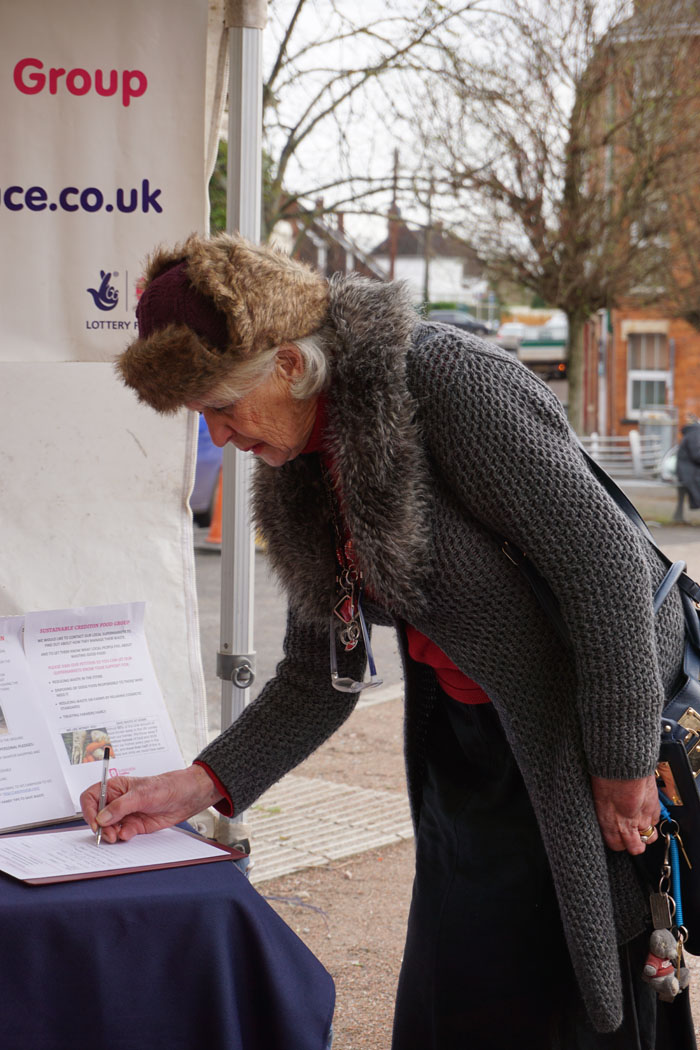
(348, 578)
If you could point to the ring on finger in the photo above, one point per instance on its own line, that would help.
(647, 833)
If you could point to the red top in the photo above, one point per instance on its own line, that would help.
(452, 681)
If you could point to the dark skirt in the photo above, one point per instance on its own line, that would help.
(485, 965)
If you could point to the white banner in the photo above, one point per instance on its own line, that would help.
(103, 128)
(103, 143)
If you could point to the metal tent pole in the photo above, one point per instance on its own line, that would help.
(245, 21)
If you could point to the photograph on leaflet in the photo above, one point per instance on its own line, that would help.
(73, 681)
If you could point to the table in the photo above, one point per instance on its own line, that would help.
(181, 959)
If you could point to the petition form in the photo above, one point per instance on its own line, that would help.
(58, 855)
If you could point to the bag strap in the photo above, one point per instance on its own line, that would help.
(685, 582)
(676, 570)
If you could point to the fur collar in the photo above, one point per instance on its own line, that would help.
(381, 464)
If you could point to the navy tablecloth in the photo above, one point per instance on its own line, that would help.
(180, 959)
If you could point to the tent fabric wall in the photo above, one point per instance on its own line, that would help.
(93, 514)
(217, 81)
(104, 136)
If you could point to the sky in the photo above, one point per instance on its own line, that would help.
(373, 125)
(384, 118)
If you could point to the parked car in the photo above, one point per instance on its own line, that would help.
(206, 476)
(510, 334)
(460, 319)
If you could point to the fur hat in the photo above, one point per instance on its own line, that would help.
(209, 304)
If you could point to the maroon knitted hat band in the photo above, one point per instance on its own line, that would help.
(171, 299)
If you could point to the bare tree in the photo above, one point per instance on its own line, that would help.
(340, 93)
(561, 144)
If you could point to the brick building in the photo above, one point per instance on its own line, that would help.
(639, 365)
(641, 362)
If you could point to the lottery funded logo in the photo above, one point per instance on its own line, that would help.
(106, 296)
(106, 293)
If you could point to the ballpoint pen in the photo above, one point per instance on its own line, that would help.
(103, 789)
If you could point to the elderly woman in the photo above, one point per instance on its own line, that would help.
(395, 457)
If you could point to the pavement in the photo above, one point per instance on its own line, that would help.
(303, 821)
(656, 501)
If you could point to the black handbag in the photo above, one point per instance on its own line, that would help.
(678, 768)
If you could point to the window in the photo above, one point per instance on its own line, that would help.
(651, 224)
(648, 372)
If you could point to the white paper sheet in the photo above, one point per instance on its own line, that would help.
(32, 786)
(61, 854)
(97, 686)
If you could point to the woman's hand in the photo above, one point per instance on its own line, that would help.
(624, 809)
(138, 805)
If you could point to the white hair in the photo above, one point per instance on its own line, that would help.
(247, 375)
(316, 375)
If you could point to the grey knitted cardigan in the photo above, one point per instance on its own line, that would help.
(444, 445)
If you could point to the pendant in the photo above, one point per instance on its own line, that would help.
(345, 609)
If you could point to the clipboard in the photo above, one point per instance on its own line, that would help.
(191, 854)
